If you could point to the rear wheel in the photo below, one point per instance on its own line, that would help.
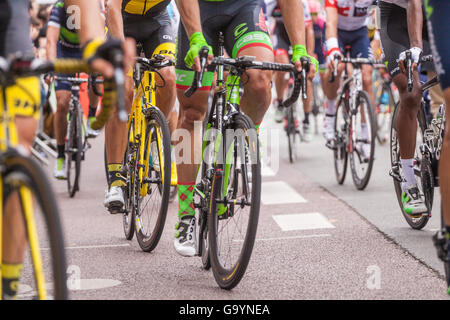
(420, 221)
(363, 132)
(384, 112)
(293, 134)
(129, 169)
(44, 267)
(340, 154)
(235, 203)
(74, 152)
(152, 193)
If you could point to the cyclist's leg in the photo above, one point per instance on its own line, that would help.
(63, 95)
(93, 104)
(394, 38)
(255, 41)
(162, 42)
(281, 56)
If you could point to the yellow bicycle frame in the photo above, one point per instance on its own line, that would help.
(15, 103)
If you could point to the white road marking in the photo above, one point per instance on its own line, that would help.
(95, 284)
(94, 247)
(302, 221)
(279, 192)
(266, 171)
(293, 237)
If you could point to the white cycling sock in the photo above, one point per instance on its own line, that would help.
(330, 106)
(409, 179)
(364, 131)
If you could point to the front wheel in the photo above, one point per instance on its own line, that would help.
(74, 152)
(235, 202)
(341, 126)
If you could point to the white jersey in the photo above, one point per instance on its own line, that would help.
(400, 3)
(352, 14)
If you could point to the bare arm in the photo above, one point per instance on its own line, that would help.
(190, 15)
(293, 19)
(332, 21)
(415, 22)
(52, 39)
(90, 19)
(310, 39)
(114, 19)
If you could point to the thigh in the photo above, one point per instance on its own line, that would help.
(162, 40)
(360, 44)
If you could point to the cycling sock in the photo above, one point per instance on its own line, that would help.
(306, 120)
(92, 112)
(10, 280)
(364, 131)
(409, 179)
(116, 179)
(61, 150)
(330, 106)
(280, 102)
(186, 199)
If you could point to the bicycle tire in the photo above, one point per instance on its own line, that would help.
(74, 151)
(291, 132)
(415, 223)
(361, 182)
(340, 154)
(148, 242)
(227, 277)
(23, 171)
(129, 168)
(383, 117)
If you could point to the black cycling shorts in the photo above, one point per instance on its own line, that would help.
(242, 23)
(155, 34)
(281, 40)
(395, 39)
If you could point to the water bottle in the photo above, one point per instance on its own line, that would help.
(384, 102)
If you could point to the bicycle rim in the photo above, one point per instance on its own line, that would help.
(363, 133)
(152, 196)
(75, 148)
(414, 222)
(44, 265)
(232, 234)
(129, 168)
(340, 152)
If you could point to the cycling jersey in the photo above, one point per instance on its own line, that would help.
(144, 7)
(242, 23)
(352, 13)
(319, 37)
(59, 18)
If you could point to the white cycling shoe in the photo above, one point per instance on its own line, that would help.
(185, 242)
(328, 128)
(114, 200)
(60, 171)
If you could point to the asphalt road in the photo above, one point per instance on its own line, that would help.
(315, 239)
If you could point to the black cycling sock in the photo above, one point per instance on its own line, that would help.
(92, 111)
(447, 229)
(116, 179)
(306, 118)
(10, 280)
(61, 148)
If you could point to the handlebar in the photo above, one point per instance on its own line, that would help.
(198, 76)
(409, 62)
(246, 62)
(353, 61)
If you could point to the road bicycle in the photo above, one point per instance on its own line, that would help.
(318, 99)
(77, 138)
(227, 193)
(147, 161)
(354, 125)
(427, 154)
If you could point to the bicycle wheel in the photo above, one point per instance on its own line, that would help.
(396, 171)
(293, 134)
(363, 135)
(27, 189)
(129, 168)
(235, 202)
(445, 259)
(384, 113)
(152, 194)
(340, 154)
(74, 151)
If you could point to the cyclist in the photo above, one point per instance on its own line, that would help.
(245, 32)
(436, 13)
(149, 23)
(281, 52)
(14, 38)
(401, 31)
(346, 26)
(63, 42)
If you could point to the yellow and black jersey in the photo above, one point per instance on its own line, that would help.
(144, 7)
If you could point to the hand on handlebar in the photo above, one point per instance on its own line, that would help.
(192, 60)
(415, 53)
(299, 51)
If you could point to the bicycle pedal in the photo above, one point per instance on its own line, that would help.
(116, 207)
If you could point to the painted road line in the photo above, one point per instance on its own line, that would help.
(291, 238)
(95, 247)
(279, 192)
(266, 171)
(302, 221)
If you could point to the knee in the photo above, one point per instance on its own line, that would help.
(168, 74)
(259, 85)
(62, 102)
(411, 100)
(367, 80)
(190, 115)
